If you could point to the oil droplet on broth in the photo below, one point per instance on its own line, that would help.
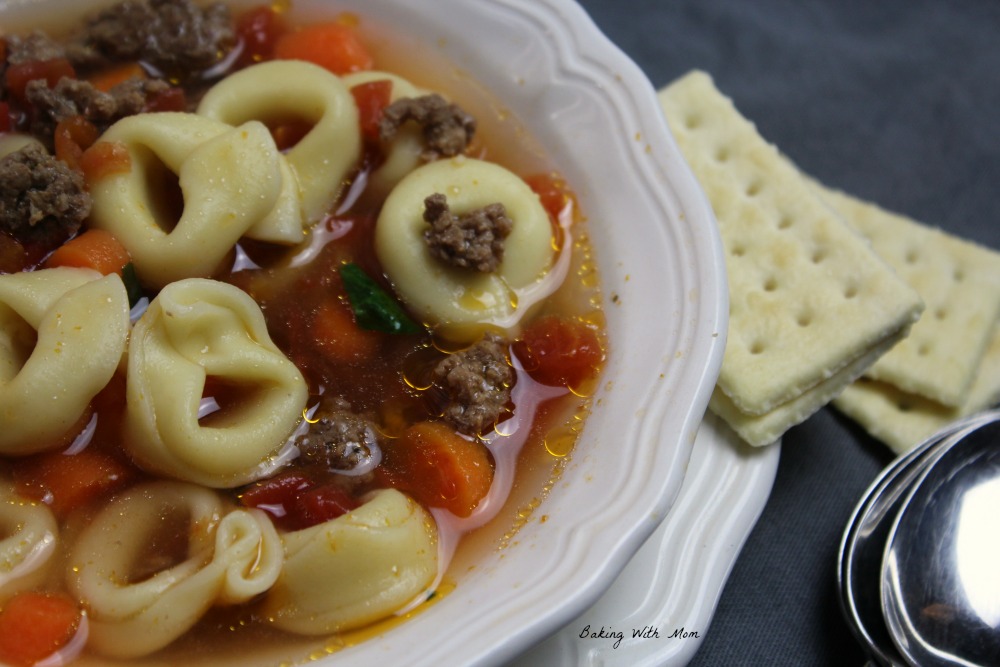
(418, 367)
(559, 441)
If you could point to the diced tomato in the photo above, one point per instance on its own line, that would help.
(556, 197)
(323, 503)
(73, 136)
(171, 99)
(257, 30)
(13, 256)
(6, 124)
(34, 625)
(438, 467)
(18, 75)
(371, 99)
(558, 351)
(295, 501)
(103, 159)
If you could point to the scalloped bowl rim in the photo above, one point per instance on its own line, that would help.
(596, 115)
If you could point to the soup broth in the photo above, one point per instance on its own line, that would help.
(355, 354)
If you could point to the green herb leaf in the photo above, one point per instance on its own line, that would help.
(132, 286)
(374, 309)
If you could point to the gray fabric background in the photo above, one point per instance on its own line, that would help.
(895, 101)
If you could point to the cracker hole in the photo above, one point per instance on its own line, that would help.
(784, 222)
(804, 319)
(924, 349)
(692, 121)
(850, 291)
(757, 347)
(754, 189)
(722, 155)
(911, 256)
(941, 313)
(904, 406)
(958, 275)
(738, 251)
(770, 284)
(818, 255)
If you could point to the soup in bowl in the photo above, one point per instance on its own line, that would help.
(334, 331)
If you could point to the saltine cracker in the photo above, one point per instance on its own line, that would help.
(809, 299)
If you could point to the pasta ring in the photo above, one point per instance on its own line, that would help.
(355, 569)
(232, 181)
(453, 298)
(274, 90)
(29, 537)
(233, 556)
(63, 334)
(194, 329)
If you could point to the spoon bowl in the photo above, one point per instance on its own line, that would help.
(862, 548)
(940, 580)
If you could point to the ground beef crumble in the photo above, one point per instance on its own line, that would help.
(474, 240)
(42, 201)
(72, 97)
(36, 45)
(477, 383)
(176, 36)
(340, 441)
(447, 129)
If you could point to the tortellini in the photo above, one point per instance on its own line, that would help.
(63, 333)
(280, 90)
(233, 180)
(403, 152)
(193, 330)
(28, 539)
(451, 297)
(355, 569)
(232, 556)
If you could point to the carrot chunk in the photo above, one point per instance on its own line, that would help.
(94, 249)
(103, 159)
(36, 625)
(66, 481)
(109, 78)
(334, 45)
(338, 338)
(438, 467)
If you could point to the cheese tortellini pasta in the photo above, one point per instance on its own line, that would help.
(63, 333)
(451, 297)
(233, 180)
(194, 330)
(355, 569)
(280, 90)
(28, 539)
(137, 607)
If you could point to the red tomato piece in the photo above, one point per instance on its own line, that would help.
(322, 503)
(556, 197)
(558, 351)
(371, 99)
(18, 75)
(6, 124)
(277, 496)
(257, 31)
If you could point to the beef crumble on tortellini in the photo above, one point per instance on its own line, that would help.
(450, 297)
(195, 330)
(63, 332)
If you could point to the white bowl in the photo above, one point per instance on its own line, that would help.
(595, 117)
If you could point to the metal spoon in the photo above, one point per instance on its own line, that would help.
(863, 544)
(941, 566)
